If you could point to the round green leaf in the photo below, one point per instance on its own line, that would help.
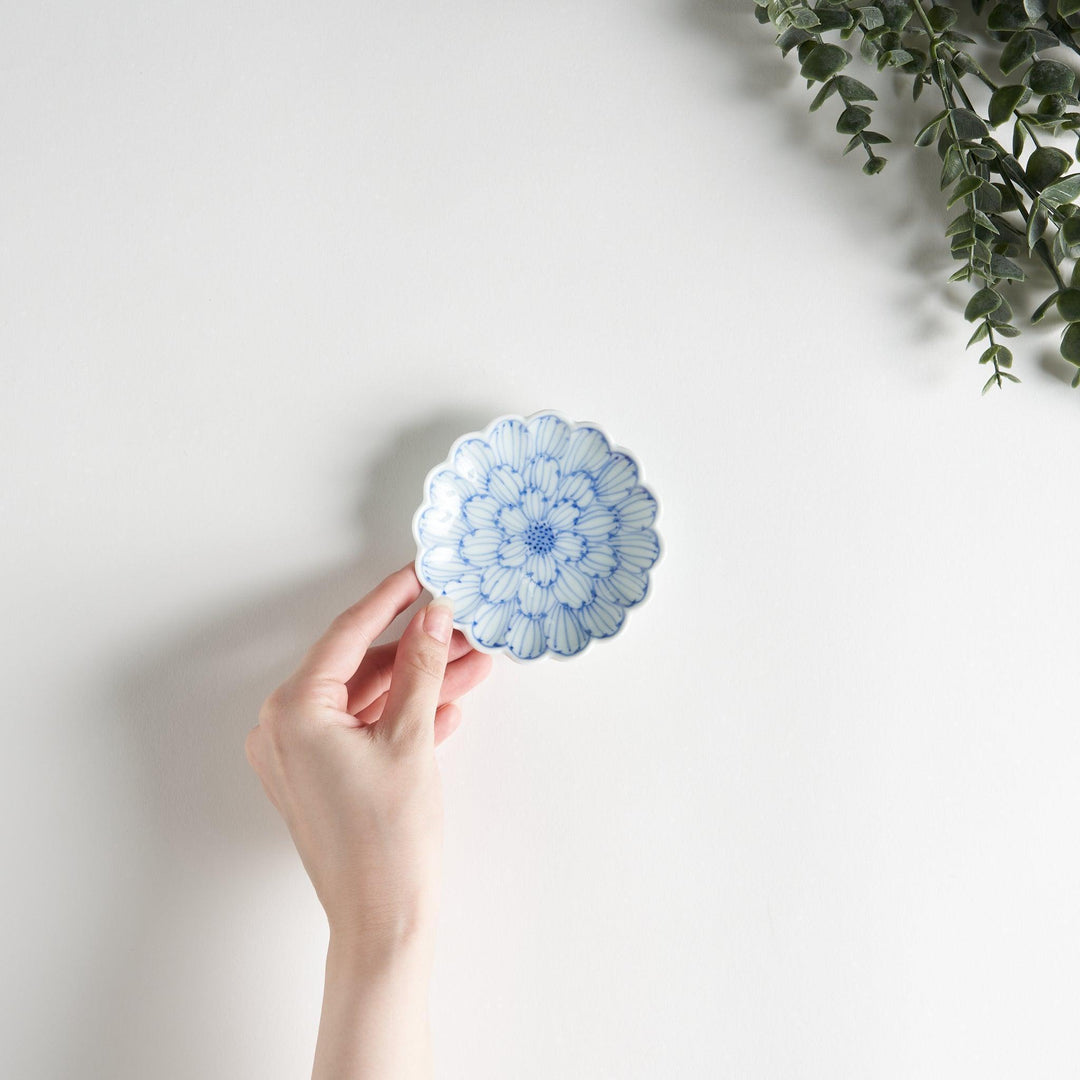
(968, 125)
(1036, 225)
(941, 17)
(804, 18)
(1068, 304)
(1045, 165)
(918, 61)
(827, 90)
(1044, 40)
(1070, 343)
(1050, 77)
(1052, 105)
(963, 224)
(871, 17)
(965, 187)
(988, 199)
(853, 90)
(1044, 307)
(897, 13)
(790, 38)
(1071, 232)
(895, 58)
(1016, 52)
(930, 132)
(823, 61)
(1004, 100)
(1063, 191)
(982, 303)
(1059, 252)
(1007, 199)
(1018, 139)
(1007, 16)
(1003, 267)
(831, 19)
(852, 120)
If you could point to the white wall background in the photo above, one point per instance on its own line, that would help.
(812, 816)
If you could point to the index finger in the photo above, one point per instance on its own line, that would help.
(337, 654)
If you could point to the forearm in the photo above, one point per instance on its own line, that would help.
(374, 1023)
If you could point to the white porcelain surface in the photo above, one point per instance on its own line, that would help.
(540, 531)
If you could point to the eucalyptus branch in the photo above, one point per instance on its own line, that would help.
(1038, 99)
(989, 83)
(1060, 28)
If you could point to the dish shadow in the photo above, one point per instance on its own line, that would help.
(184, 706)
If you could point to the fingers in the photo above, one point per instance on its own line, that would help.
(462, 675)
(418, 672)
(447, 719)
(337, 654)
(372, 678)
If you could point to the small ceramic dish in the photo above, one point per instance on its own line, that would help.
(540, 532)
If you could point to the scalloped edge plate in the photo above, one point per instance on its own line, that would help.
(485, 434)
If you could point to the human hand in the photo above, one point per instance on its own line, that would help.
(345, 751)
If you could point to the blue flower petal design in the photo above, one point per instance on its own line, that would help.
(540, 532)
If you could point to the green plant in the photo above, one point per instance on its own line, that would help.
(1015, 205)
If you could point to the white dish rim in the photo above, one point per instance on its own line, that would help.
(485, 434)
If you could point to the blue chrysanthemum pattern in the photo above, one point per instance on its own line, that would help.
(541, 534)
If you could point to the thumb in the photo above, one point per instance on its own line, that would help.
(418, 673)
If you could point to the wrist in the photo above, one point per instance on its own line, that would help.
(375, 1006)
(370, 947)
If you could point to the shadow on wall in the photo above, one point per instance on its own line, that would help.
(185, 707)
(1053, 364)
(899, 215)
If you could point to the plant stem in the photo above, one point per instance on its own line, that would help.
(1040, 247)
(943, 81)
(990, 335)
(985, 79)
(931, 33)
(1062, 31)
(944, 84)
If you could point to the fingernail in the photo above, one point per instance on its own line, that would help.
(439, 619)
